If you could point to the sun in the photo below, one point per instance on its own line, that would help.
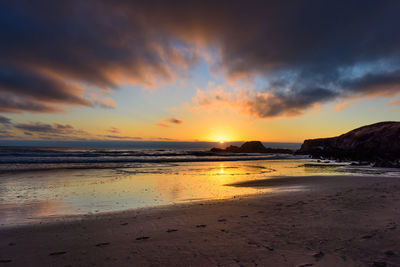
(221, 137)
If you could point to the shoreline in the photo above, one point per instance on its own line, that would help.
(72, 218)
(278, 184)
(353, 221)
(114, 164)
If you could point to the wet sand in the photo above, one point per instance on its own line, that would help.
(324, 221)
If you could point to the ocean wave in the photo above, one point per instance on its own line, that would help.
(42, 160)
(14, 159)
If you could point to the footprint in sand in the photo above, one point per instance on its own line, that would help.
(389, 253)
(142, 238)
(368, 236)
(318, 255)
(102, 244)
(379, 264)
(57, 253)
(269, 248)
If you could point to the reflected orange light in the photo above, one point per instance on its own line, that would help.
(221, 168)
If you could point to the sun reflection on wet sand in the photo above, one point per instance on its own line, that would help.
(203, 181)
(221, 168)
(25, 196)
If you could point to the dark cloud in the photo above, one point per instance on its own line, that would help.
(289, 103)
(37, 127)
(14, 104)
(164, 139)
(116, 135)
(55, 130)
(24, 82)
(175, 120)
(49, 48)
(119, 137)
(386, 83)
(312, 37)
(5, 134)
(4, 120)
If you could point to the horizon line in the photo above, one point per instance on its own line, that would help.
(144, 140)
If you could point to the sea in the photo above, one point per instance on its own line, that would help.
(46, 180)
(33, 155)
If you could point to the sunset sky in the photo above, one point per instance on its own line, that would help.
(196, 70)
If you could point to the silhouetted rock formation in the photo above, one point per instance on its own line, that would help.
(378, 143)
(251, 147)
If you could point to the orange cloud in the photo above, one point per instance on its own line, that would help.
(394, 102)
(263, 105)
(114, 130)
(341, 106)
(161, 124)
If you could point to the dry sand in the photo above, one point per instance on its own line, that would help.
(332, 221)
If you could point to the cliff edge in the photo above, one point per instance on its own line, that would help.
(378, 143)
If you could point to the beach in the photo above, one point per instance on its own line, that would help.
(200, 133)
(317, 221)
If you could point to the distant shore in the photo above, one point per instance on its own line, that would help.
(324, 221)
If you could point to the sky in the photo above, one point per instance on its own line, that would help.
(278, 71)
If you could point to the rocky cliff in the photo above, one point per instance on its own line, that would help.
(378, 143)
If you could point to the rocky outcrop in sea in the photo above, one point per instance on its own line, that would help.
(251, 147)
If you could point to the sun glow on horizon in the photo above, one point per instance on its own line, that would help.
(221, 138)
